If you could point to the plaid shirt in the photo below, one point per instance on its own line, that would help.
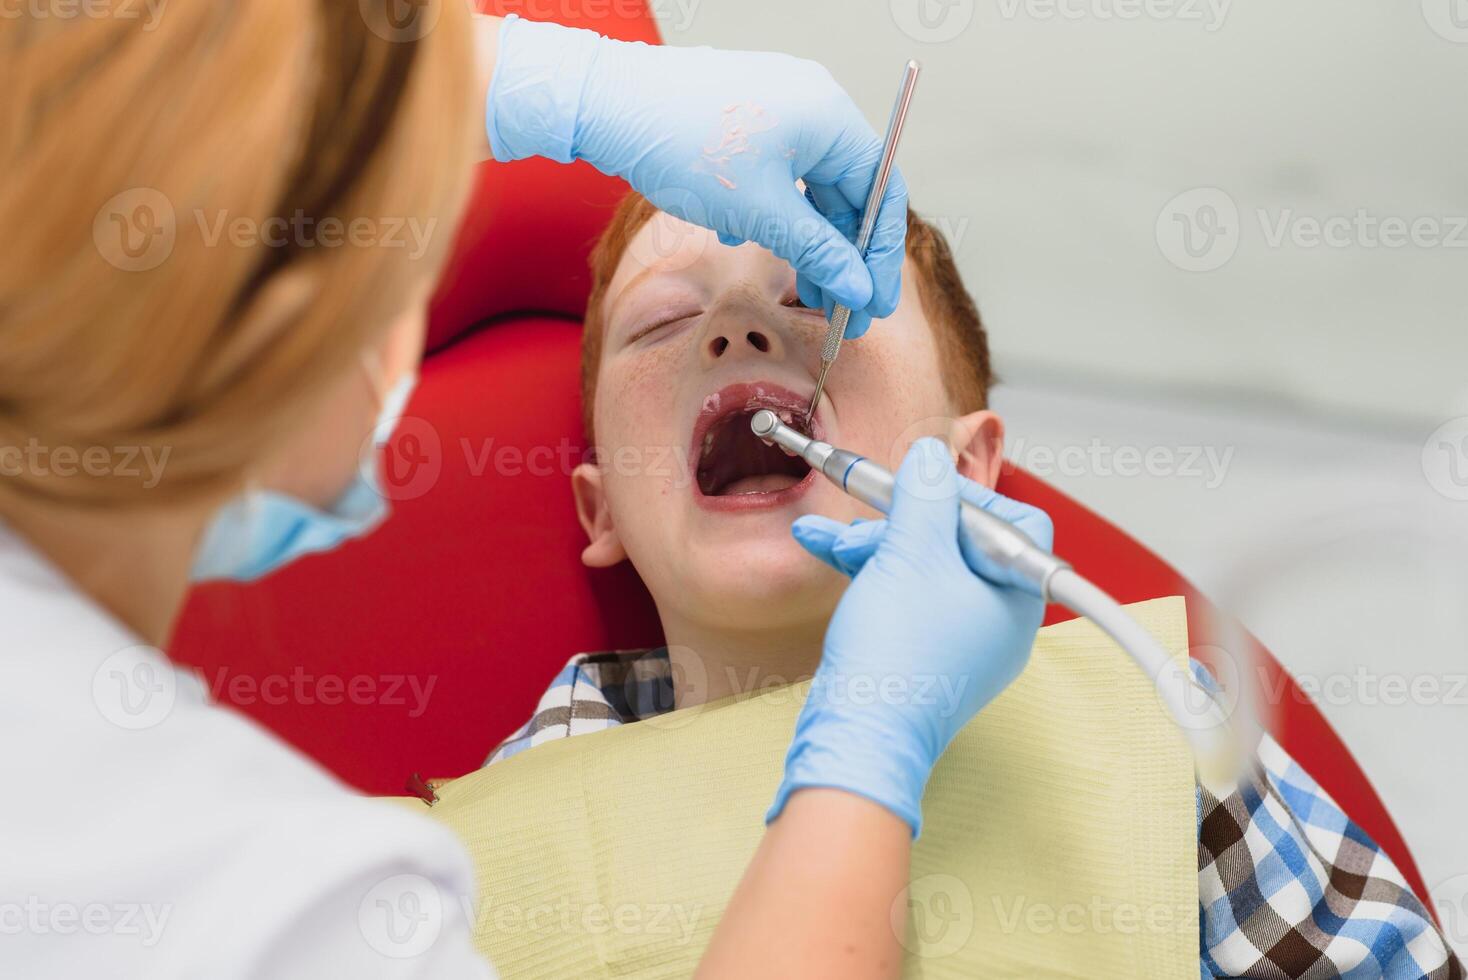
(1288, 886)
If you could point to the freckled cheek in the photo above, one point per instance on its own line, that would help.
(878, 378)
(890, 382)
(638, 415)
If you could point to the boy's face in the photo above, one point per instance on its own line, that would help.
(699, 336)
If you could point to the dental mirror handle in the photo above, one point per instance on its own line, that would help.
(841, 315)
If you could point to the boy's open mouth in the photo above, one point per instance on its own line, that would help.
(734, 463)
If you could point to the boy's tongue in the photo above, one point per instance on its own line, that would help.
(735, 461)
(764, 483)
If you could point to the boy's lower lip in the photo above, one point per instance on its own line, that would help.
(767, 500)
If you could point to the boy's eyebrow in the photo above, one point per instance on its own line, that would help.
(649, 271)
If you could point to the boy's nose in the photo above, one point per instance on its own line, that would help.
(754, 340)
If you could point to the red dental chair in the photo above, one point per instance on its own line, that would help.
(419, 648)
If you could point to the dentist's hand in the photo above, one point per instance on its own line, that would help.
(919, 643)
(717, 138)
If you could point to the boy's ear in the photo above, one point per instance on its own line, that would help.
(605, 547)
(978, 442)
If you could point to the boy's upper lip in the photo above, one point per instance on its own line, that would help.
(748, 396)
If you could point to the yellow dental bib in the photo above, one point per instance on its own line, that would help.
(1059, 835)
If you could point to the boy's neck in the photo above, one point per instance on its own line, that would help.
(709, 664)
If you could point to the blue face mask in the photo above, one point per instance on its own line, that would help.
(263, 530)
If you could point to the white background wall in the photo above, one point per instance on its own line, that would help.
(1066, 147)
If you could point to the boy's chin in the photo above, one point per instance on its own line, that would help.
(768, 580)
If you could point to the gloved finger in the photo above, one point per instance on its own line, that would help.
(886, 253)
(817, 250)
(847, 218)
(731, 240)
(924, 513)
(810, 294)
(858, 543)
(845, 547)
(829, 202)
(858, 323)
(818, 535)
(833, 205)
(888, 247)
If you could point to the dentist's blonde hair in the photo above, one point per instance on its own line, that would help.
(210, 112)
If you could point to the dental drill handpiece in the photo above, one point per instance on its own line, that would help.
(1036, 571)
(1028, 566)
(841, 315)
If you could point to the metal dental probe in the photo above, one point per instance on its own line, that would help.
(1021, 563)
(841, 315)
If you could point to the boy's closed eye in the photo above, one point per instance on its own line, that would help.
(658, 323)
(661, 323)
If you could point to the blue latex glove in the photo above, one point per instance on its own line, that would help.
(919, 643)
(717, 138)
